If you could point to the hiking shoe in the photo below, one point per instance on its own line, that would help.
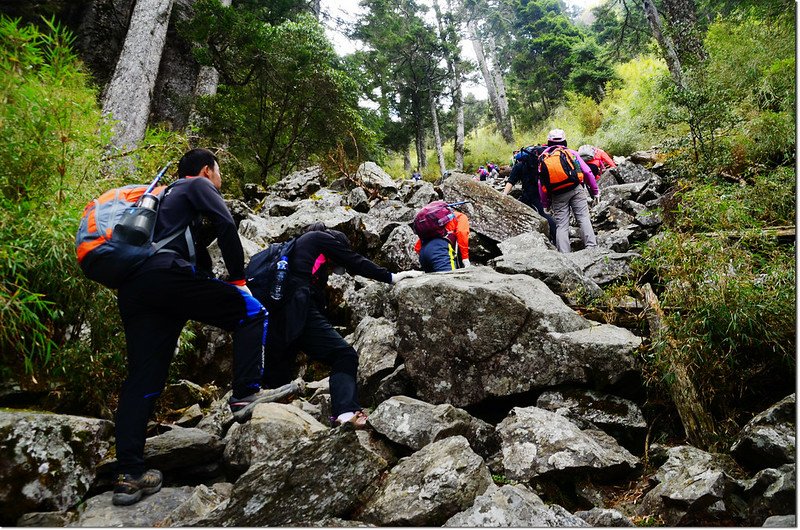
(357, 422)
(242, 408)
(128, 490)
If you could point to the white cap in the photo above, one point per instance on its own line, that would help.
(586, 151)
(556, 135)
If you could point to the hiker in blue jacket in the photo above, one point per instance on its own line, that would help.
(173, 286)
(526, 170)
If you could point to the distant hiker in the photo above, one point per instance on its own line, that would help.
(481, 174)
(416, 176)
(170, 288)
(492, 170)
(455, 232)
(514, 157)
(597, 159)
(526, 170)
(561, 173)
(299, 324)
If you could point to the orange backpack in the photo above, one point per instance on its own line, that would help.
(557, 170)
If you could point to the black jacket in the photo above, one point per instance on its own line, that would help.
(526, 170)
(304, 288)
(189, 202)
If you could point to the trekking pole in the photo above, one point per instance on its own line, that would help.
(158, 177)
(459, 203)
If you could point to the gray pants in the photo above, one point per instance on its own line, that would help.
(561, 204)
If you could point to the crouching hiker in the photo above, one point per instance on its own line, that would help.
(172, 286)
(294, 293)
(443, 243)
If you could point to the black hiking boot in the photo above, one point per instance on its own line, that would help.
(129, 490)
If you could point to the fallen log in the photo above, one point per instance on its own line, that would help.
(697, 422)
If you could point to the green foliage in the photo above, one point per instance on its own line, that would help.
(548, 56)
(729, 289)
(632, 106)
(58, 329)
(48, 125)
(283, 100)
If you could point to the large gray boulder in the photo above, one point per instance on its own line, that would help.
(781, 521)
(182, 448)
(47, 461)
(397, 253)
(375, 341)
(367, 298)
(200, 503)
(514, 506)
(326, 475)
(603, 266)
(770, 492)
(491, 214)
(265, 230)
(99, 512)
(475, 333)
(272, 427)
(530, 254)
(589, 409)
(692, 488)
(415, 424)
(300, 184)
(604, 517)
(424, 193)
(769, 439)
(430, 486)
(376, 180)
(537, 442)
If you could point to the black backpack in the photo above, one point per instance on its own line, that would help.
(262, 270)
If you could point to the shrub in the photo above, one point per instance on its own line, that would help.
(730, 295)
(59, 330)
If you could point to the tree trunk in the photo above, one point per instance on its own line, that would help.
(422, 159)
(697, 422)
(491, 88)
(407, 159)
(437, 137)
(458, 145)
(667, 47)
(497, 75)
(206, 85)
(454, 69)
(130, 90)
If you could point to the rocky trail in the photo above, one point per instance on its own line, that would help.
(495, 400)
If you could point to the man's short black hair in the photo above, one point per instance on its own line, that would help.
(192, 162)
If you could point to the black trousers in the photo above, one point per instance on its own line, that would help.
(531, 198)
(320, 342)
(155, 306)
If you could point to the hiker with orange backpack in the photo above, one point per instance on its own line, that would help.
(171, 286)
(455, 231)
(562, 173)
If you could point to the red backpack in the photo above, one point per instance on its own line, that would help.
(557, 170)
(430, 221)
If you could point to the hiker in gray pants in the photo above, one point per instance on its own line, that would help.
(568, 194)
(561, 204)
